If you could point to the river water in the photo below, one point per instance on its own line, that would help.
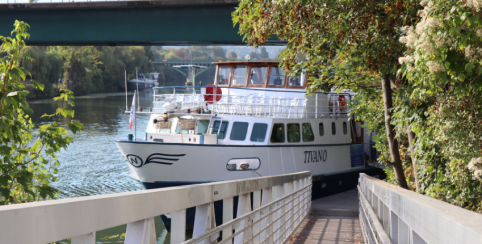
(92, 164)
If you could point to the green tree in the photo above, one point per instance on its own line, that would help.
(232, 56)
(44, 67)
(263, 53)
(347, 45)
(218, 53)
(443, 63)
(27, 155)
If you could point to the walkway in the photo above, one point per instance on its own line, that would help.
(332, 220)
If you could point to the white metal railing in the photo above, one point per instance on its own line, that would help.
(255, 102)
(279, 205)
(390, 214)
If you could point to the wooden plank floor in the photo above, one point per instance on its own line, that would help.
(332, 220)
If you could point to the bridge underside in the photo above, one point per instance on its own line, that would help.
(196, 22)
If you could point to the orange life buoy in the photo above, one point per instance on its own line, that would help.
(342, 102)
(212, 91)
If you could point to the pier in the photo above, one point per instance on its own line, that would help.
(274, 209)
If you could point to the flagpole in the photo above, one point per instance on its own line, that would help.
(135, 118)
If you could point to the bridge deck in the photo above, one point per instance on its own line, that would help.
(332, 219)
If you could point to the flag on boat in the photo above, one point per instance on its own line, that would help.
(133, 111)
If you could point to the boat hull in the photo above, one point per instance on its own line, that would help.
(181, 163)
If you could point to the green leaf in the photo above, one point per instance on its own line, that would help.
(469, 66)
(38, 85)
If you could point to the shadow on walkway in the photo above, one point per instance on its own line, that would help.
(332, 220)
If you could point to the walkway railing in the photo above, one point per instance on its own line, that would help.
(390, 214)
(279, 205)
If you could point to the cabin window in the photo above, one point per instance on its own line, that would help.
(345, 129)
(257, 75)
(259, 132)
(333, 128)
(223, 75)
(239, 131)
(297, 81)
(322, 130)
(278, 133)
(293, 132)
(239, 75)
(222, 130)
(202, 126)
(307, 132)
(277, 77)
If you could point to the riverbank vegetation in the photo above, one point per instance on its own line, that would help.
(95, 69)
(415, 67)
(84, 69)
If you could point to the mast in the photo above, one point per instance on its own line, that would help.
(137, 81)
(125, 75)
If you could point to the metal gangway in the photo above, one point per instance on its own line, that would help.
(278, 205)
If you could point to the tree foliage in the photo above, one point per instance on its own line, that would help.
(428, 56)
(27, 155)
(443, 64)
(345, 44)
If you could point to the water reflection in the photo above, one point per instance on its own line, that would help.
(92, 164)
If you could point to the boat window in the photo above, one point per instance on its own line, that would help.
(345, 129)
(278, 133)
(259, 132)
(239, 75)
(307, 132)
(222, 131)
(257, 75)
(333, 128)
(239, 130)
(223, 75)
(322, 130)
(202, 126)
(297, 81)
(293, 132)
(277, 77)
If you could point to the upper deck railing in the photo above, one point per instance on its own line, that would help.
(262, 102)
(278, 206)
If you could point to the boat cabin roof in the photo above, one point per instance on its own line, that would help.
(259, 74)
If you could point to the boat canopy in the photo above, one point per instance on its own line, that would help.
(256, 74)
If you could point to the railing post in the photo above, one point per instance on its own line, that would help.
(141, 232)
(227, 216)
(296, 201)
(316, 105)
(289, 207)
(280, 214)
(266, 199)
(274, 214)
(178, 226)
(201, 220)
(244, 206)
(84, 239)
(256, 205)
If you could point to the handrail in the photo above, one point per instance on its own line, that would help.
(409, 217)
(80, 218)
(265, 103)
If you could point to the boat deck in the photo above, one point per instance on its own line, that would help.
(332, 219)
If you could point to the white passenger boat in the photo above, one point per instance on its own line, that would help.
(255, 121)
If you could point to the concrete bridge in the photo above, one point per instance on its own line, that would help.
(156, 22)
